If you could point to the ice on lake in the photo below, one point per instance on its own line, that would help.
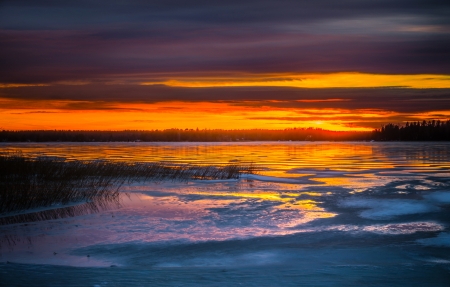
(318, 214)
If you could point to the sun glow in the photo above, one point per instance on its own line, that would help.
(334, 113)
(82, 115)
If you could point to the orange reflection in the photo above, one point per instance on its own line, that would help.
(321, 160)
(289, 199)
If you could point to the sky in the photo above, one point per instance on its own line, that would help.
(145, 65)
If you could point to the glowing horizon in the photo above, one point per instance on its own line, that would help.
(40, 115)
(202, 115)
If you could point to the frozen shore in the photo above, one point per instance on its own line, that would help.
(385, 223)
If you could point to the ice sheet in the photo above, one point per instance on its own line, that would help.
(386, 209)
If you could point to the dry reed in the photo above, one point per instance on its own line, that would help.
(27, 183)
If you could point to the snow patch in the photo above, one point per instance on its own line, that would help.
(404, 228)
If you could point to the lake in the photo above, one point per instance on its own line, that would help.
(315, 214)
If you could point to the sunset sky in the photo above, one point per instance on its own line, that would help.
(115, 65)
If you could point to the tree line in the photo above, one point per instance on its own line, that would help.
(414, 131)
(174, 135)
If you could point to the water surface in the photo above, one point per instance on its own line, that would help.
(318, 214)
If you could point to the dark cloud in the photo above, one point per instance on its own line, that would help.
(34, 112)
(106, 97)
(48, 41)
(53, 56)
(346, 121)
(78, 14)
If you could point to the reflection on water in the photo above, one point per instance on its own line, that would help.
(383, 189)
(98, 205)
(278, 156)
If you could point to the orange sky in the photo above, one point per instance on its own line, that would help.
(100, 114)
(223, 64)
(171, 115)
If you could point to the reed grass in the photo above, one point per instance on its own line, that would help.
(62, 212)
(27, 183)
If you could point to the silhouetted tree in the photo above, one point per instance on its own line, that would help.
(416, 131)
(173, 135)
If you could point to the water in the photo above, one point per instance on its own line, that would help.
(318, 214)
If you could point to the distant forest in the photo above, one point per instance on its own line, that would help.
(175, 135)
(415, 131)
